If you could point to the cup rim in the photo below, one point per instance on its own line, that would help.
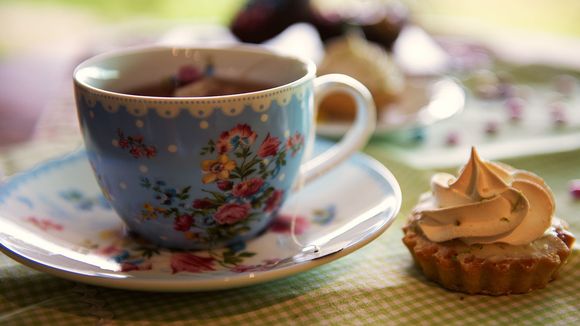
(309, 64)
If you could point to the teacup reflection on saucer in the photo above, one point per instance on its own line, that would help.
(54, 219)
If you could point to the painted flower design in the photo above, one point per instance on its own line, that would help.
(167, 197)
(150, 212)
(130, 263)
(325, 215)
(283, 224)
(109, 250)
(230, 140)
(83, 202)
(224, 185)
(248, 188)
(219, 169)
(134, 254)
(240, 184)
(232, 213)
(135, 145)
(269, 146)
(295, 143)
(45, 224)
(202, 203)
(188, 262)
(136, 266)
(131, 253)
(183, 223)
(274, 201)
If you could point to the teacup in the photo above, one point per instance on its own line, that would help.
(205, 172)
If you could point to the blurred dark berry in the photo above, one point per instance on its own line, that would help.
(261, 20)
(385, 25)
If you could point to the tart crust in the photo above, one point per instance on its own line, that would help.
(494, 269)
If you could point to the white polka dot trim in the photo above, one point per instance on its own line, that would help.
(198, 107)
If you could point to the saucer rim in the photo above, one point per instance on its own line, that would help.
(169, 284)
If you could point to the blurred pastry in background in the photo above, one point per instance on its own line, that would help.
(365, 61)
(380, 21)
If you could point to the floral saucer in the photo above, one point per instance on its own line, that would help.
(54, 219)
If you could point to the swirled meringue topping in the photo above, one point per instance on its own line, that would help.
(488, 203)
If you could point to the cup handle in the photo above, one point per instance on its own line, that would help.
(356, 137)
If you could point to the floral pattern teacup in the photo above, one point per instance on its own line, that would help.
(204, 172)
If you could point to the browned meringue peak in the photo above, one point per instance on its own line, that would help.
(476, 181)
(489, 202)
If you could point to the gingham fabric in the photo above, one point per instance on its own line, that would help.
(375, 285)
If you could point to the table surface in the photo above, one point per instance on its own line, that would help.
(377, 284)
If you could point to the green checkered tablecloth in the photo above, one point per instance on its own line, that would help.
(375, 285)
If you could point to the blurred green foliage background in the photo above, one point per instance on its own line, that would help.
(219, 11)
(28, 24)
(551, 16)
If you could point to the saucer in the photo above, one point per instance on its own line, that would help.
(54, 218)
(424, 101)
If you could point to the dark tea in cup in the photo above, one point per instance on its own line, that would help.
(190, 82)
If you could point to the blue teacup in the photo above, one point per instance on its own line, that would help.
(204, 172)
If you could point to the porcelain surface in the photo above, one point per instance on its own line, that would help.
(55, 219)
(195, 172)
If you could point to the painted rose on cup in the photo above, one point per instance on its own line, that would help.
(237, 172)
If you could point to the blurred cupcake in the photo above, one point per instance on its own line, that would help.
(491, 230)
(367, 62)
